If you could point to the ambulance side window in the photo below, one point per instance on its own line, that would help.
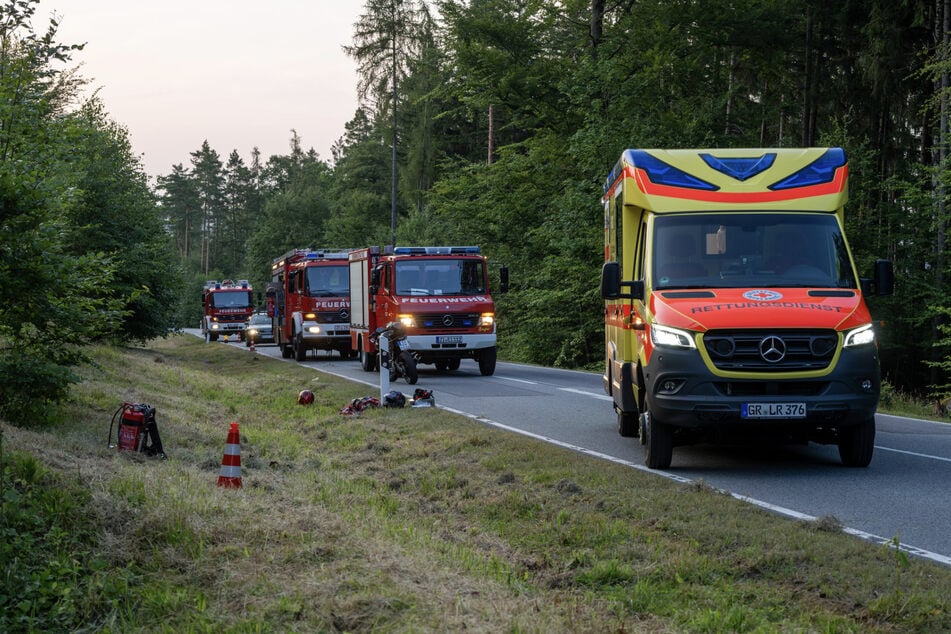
(639, 256)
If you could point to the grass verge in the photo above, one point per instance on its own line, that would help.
(394, 521)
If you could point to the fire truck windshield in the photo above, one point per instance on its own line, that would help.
(440, 277)
(231, 299)
(740, 250)
(328, 281)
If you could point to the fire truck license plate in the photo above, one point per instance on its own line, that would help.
(449, 339)
(773, 410)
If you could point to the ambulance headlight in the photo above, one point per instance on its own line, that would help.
(861, 336)
(672, 337)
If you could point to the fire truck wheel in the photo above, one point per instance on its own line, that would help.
(300, 352)
(213, 336)
(286, 351)
(487, 362)
(367, 361)
(659, 442)
(442, 366)
(409, 368)
(453, 364)
(856, 444)
(627, 424)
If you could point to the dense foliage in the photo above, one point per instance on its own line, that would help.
(500, 119)
(83, 251)
(510, 113)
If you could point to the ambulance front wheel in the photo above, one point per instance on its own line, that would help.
(856, 443)
(658, 441)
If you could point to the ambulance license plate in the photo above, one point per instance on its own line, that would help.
(773, 410)
(449, 339)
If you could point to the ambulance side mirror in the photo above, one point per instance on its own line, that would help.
(884, 277)
(612, 285)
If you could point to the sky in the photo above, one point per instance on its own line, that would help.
(238, 73)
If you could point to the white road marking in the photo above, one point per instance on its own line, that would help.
(602, 397)
(914, 453)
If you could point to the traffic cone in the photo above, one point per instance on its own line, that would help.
(230, 477)
(252, 345)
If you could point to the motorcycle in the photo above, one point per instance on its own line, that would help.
(397, 357)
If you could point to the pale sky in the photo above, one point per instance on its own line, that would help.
(238, 73)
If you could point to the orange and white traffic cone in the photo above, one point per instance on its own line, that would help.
(231, 462)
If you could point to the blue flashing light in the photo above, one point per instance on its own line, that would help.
(738, 167)
(664, 174)
(822, 170)
(469, 250)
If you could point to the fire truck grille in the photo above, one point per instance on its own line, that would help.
(771, 350)
(332, 318)
(447, 322)
(231, 318)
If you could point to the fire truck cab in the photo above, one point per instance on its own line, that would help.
(732, 304)
(308, 300)
(226, 306)
(440, 294)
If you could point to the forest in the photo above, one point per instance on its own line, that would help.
(486, 122)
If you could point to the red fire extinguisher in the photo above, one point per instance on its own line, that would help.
(132, 431)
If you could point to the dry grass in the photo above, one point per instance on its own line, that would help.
(418, 520)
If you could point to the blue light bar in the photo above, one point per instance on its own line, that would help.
(740, 168)
(470, 250)
(822, 170)
(664, 174)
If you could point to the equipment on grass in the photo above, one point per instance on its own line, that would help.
(137, 430)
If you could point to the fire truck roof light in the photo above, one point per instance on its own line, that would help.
(469, 250)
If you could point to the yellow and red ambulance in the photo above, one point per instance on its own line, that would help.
(732, 304)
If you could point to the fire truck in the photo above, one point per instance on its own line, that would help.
(226, 306)
(308, 300)
(733, 307)
(440, 295)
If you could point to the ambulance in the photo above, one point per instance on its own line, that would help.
(732, 304)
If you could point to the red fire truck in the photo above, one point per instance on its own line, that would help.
(227, 306)
(308, 300)
(440, 295)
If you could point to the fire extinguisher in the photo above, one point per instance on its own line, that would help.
(132, 427)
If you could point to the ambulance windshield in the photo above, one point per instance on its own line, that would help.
(416, 276)
(740, 250)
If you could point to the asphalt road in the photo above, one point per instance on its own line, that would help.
(905, 493)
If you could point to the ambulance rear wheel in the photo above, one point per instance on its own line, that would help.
(659, 442)
(487, 362)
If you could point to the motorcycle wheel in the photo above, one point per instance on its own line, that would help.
(409, 368)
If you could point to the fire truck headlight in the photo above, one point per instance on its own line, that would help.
(314, 330)
(487, 319)
(310, 316)
(408, 321)
(214, 326)
(666, 336)
(861, 336)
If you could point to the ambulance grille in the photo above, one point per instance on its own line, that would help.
(771, 350)
(447, 322)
